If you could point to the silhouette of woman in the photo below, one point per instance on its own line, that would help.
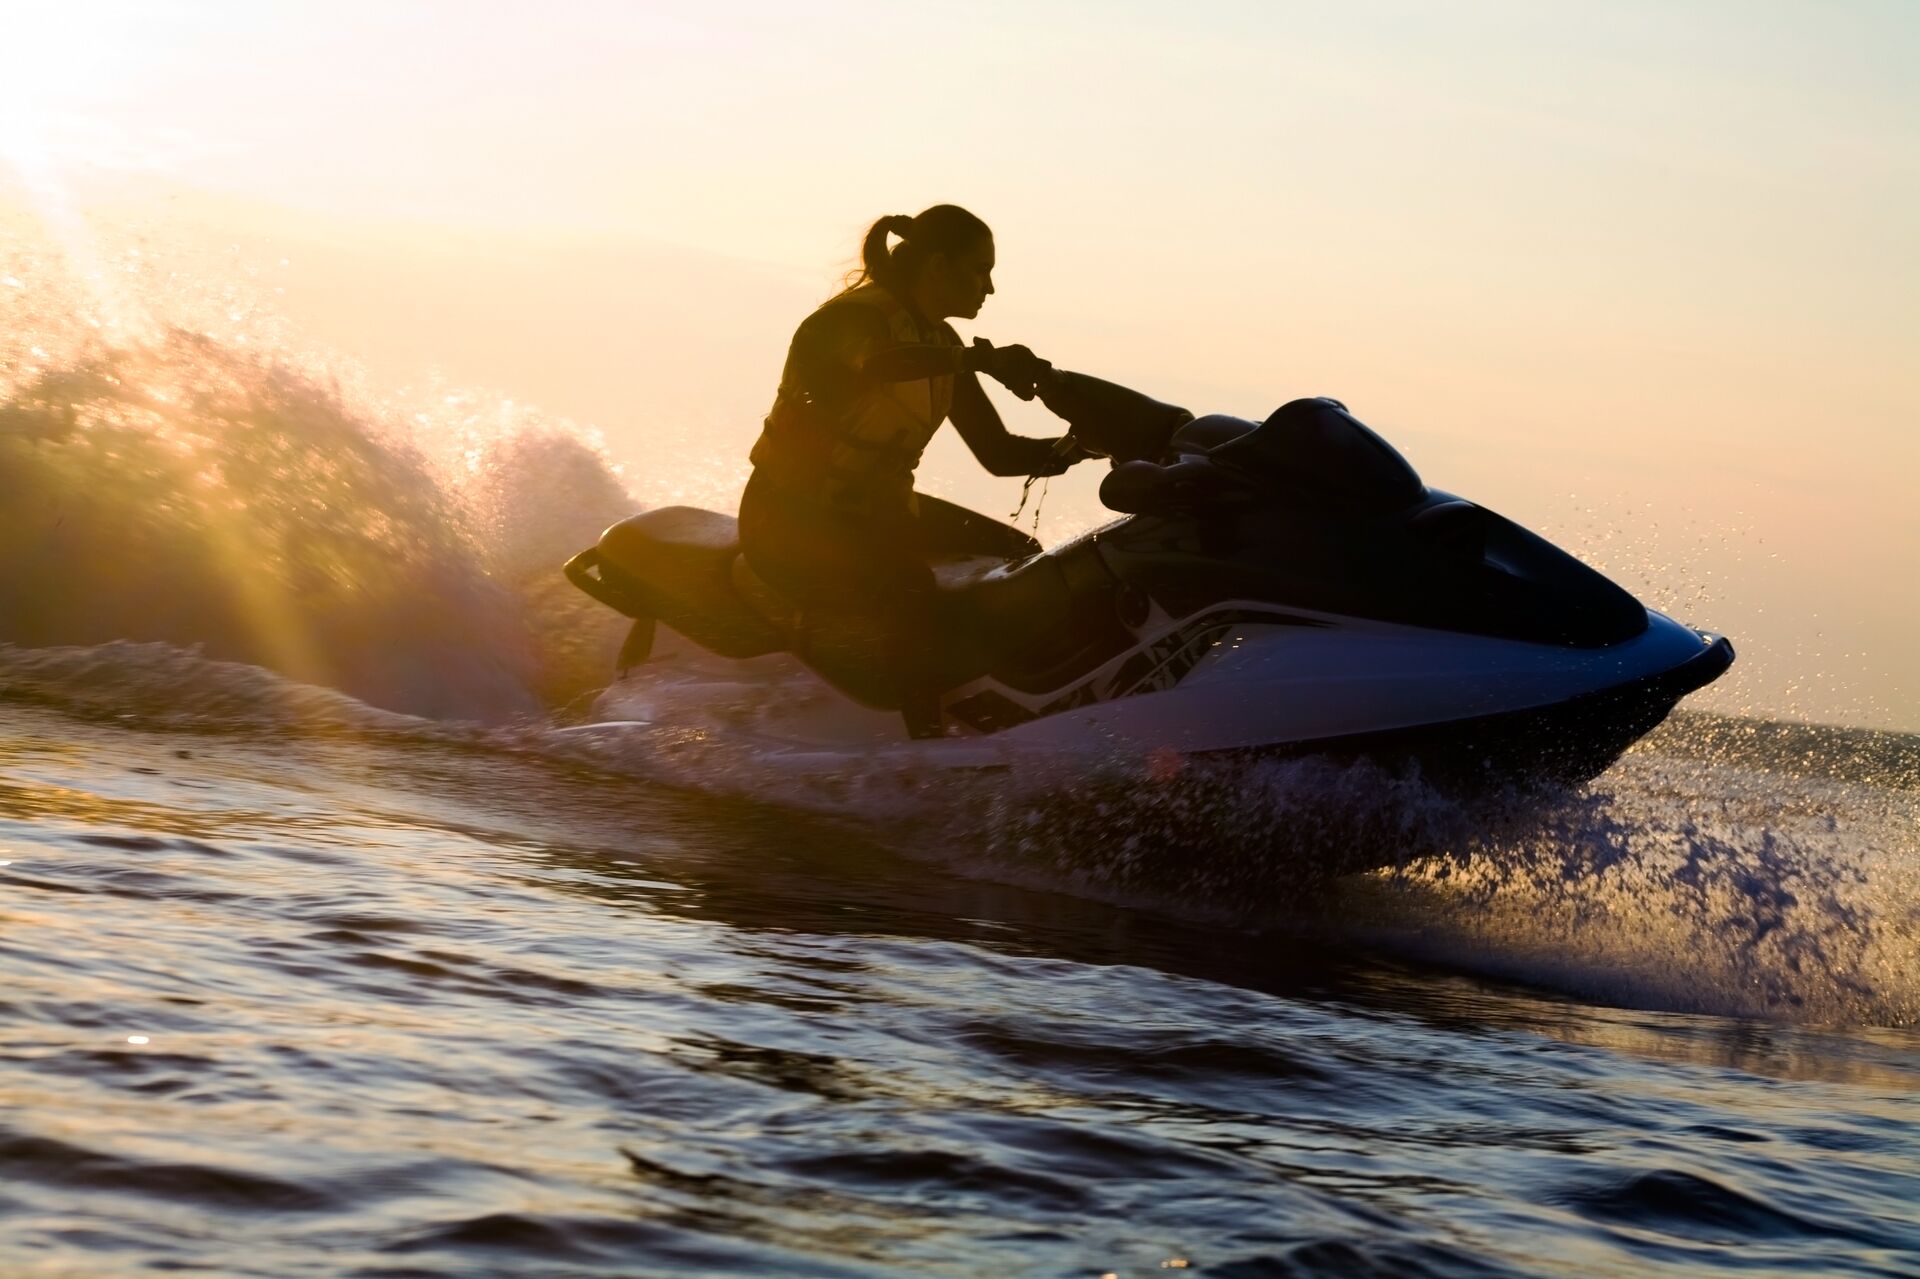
(829, 515)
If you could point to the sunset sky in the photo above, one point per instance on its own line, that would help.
(1644, 276)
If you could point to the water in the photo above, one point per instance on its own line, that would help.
(366, 997)
(332, 943)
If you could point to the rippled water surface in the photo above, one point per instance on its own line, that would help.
(311, 989)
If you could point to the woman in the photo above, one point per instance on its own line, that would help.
(830, 515)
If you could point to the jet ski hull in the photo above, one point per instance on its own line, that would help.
(1465, 708)
(1564, 743)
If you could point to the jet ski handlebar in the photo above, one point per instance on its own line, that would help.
(1109, 419)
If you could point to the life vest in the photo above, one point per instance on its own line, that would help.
(861, 455)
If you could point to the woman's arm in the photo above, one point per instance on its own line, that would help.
(838, 349)
(999, 450)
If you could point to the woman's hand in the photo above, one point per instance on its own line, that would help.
(1061, 454)
(1014, 367)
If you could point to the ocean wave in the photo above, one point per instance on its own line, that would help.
(186, 491)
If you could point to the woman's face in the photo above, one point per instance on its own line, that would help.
(956, 285)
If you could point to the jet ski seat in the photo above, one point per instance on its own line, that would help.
(674, 546)
(683, 566)
(675, 564)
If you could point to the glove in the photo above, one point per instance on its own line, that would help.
(1014, 367)
(1060, 454)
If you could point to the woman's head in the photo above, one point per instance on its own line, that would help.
(943, 265)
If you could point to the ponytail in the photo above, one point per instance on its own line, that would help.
(944, 228)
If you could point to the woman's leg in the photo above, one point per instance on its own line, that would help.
(895, 574)
(826, 559)
(947, 528)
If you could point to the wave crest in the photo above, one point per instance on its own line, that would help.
(194, 493)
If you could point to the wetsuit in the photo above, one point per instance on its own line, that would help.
(829, 516)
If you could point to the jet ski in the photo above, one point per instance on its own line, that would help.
(1281, 587)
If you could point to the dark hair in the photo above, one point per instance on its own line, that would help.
(945, 228)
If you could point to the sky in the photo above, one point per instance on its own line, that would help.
(1640, 275)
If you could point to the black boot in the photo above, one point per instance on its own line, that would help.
(920, 708)
(909, 646)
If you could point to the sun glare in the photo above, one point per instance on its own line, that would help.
(58, 77)
(64, 75)
(32, 75)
